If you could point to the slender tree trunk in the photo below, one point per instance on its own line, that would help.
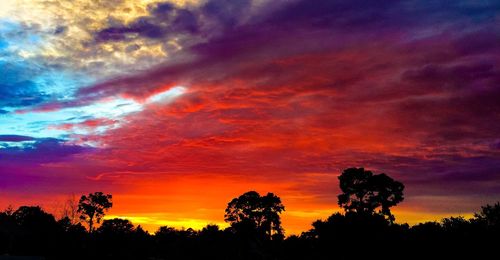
(270, 231)
(91, 224)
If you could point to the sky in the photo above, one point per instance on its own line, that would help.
(176, 107)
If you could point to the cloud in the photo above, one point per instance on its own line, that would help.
(495, 144)
(165, 20)
(250, 87)
(407, 102)
(16, 88)
(37, 150)
(15, 138)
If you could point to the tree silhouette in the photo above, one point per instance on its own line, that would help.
(251, 211)
(489, 215)
(364, 192)
(33, 217)
(70, 209)
(92, 208)
(36, 230)
(117, 226)
(348, 235)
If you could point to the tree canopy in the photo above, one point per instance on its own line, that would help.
(489, 215)
(363, 192)
(93, 207)
(30, 230)
(117, 226)
(253, 211)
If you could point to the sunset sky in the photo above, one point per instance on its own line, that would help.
(176, 107)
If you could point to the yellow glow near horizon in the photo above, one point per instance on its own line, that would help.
(151, 224)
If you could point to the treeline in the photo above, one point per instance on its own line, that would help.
(365, 230)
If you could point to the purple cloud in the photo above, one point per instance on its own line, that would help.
(15, 138)
(43, 150)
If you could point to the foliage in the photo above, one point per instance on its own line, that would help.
(92, 208)
(363, 192)
(252, 212)
(489, 215)
(29, 230)
(116, 226)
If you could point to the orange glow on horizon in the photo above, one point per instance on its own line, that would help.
(194, 201)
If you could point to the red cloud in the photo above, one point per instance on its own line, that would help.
(284, 109)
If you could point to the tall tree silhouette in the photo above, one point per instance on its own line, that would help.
(261, 213)
(92, 208)
(363, 192)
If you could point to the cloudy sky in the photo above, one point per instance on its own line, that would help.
(176, 107)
